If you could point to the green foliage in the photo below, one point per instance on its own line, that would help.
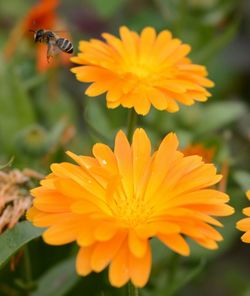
(16, 110)
(37, 111)
(109, 8)
(57, 281)
(13, 239)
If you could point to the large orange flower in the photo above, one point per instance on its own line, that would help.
(137, 71)
(112, 204)
(244, 224)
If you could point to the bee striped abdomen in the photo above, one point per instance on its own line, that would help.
(65, 45)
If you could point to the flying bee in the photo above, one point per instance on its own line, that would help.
(54, 42)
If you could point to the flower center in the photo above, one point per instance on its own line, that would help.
(141, 70)
(130, 210)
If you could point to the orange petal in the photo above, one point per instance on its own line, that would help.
(246, 237)
(119, 269)
(105, 231)
(175, 242)
(163, 159)
(146, 43)
(106, 158)
(244, 224)
(123, 155)
(140, 268)
(105, 251)
(60, 234)
(83, 266)
(141, 149)
(137, 245)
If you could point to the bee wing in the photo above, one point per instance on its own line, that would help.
(52, 49)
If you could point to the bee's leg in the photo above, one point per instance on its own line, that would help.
(50, 51)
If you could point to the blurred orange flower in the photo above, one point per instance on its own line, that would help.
(139, 70)
(207, 154)
(112, 204)
(244, 224)
(41, 16)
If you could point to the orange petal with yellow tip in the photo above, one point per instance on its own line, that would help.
(119, 272)
(246, 211)
(140, 268)
(60, 234)
(137, 245)
(83, 259)
(128, 42)
(104, 252)
(141, 149)
(123, 154)
(244, 224)
(207, 243)
(95, 89)
(246, 237)
(146, 43)
(105, 157)
(213, 209)
(175, 242)
(163, 158)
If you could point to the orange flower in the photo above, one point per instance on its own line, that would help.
(138, 71)
(41, 16)
(112, 204)
(207, 154)
(244, 224)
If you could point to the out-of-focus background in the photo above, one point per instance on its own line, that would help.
(44, 112)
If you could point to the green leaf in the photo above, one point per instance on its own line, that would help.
(242, 178)
(186, 278)
(13, 239)
(97, 119)
(8, 164)
(218, 115)
(16, 110)
(217, 44)
(58, 280)
(107, 8)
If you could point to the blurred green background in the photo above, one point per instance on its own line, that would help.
(44, 114)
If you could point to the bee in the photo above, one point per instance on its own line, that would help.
(54, 42)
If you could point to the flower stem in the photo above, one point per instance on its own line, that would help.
(132, 290)
(132, 118)
(27, 266)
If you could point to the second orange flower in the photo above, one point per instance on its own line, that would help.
(114, 203)
(139, 70)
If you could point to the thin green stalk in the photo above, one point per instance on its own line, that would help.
(132, 290)
(174, 264)
(132, 118)
(27, 266)
(26, 283)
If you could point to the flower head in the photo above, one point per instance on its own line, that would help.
(113, 203)
(244, 224)
(42, 15)
(139, 70)
(207, 154)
